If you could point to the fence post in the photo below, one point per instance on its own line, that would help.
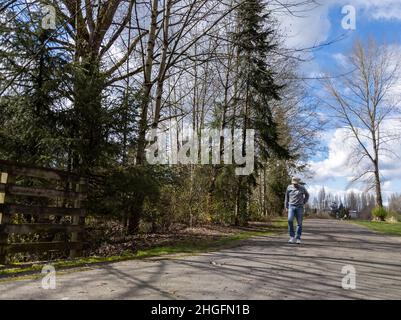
(76, 236)
(4, 218)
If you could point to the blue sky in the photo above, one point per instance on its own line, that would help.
(380, 19)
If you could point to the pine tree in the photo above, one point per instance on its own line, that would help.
(257, 88)
(255, 42)
(29, 128)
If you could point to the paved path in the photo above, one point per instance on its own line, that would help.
(261, 268)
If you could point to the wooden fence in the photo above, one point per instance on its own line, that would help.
(23, 190)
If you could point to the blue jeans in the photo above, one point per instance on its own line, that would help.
(298, 213)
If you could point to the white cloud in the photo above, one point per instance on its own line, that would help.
(387, 13)
(395, 63)
(341, 59)
(336, 164)
(380, 9)
(306, 29)
(340, 147)
(310, 25)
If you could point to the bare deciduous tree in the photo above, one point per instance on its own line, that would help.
(363, 100)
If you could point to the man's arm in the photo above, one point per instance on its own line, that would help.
(286, 199)
(306, 199)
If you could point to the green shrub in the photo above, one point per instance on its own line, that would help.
(393, 216)
(343, 212)
(379, 213)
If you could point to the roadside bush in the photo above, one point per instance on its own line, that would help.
(379, 213)
(393, 216)
(343, 213)
(160, 215)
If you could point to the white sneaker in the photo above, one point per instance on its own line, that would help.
(292, 240)
(298, 241)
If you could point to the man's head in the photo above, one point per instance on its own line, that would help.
(296, 181)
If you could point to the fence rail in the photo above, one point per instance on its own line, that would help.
(64, 193)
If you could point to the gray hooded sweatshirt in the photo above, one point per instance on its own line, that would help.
(296, 196)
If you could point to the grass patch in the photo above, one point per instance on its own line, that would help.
(379, 226)
(184, 247)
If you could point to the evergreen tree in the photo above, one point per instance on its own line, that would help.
(29, 130)
(254, 41)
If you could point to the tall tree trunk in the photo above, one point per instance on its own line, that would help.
(163, 65)
(134, 219)
(88, 90)
(147, 85)
(378, 189)
(375, 142)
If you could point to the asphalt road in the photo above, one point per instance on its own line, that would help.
(260, 268)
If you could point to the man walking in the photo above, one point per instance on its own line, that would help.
(296, 197)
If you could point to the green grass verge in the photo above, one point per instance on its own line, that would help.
(379, 226)
(184, 247)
